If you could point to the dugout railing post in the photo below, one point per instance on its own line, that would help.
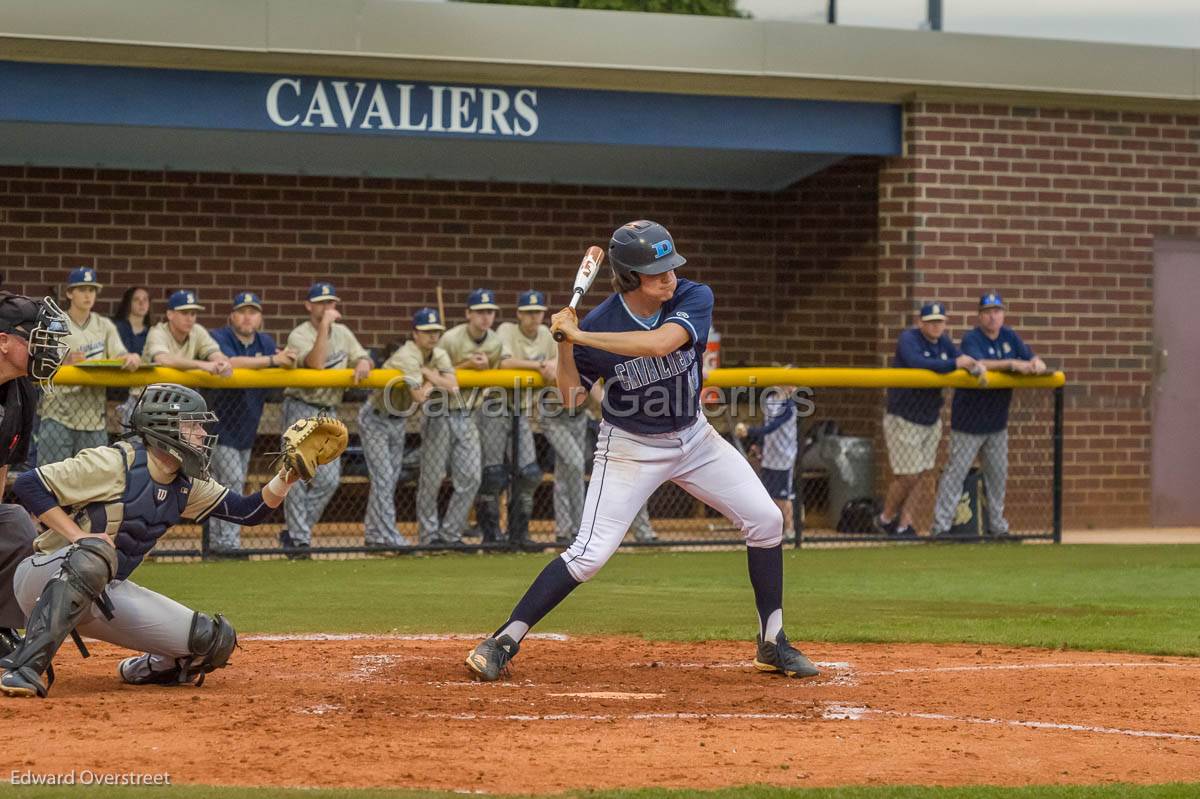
(1058, 463)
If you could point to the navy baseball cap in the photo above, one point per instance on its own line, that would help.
(427, 319)
(83, 276)
(183, 300)
(991, 300)
(482, 300)
(933, 312)
(531, 300)
(246, 299)
(323, 292)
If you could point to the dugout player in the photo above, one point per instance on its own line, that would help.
(383, 426)
(72, 418)
(474, 345)
(449, 437)
(322, 342)
(32, 347)
(646, 341)
(239, 410)
(912, 425)
(979, 419)
(104, 510)
(528, 344)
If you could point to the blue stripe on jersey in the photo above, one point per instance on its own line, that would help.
(649, 395)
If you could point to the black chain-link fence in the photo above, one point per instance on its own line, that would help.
(844, 465)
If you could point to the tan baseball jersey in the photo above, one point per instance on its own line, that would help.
(343, 352)
(197, 346)
(82, 407)
(409, 359)
(459, 345)
(98, 475)
(516, 344)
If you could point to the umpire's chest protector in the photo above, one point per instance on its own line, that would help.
(145, 511)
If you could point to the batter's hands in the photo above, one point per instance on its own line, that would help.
(130, 361)
(567, 322)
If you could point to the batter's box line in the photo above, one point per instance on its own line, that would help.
(836, 712)
(389, 637)
(1028, 667)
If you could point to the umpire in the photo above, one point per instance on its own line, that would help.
(32, 347)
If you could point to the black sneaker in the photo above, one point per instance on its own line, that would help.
(294, 549)
(903, 532)
(490, 659)
(23, 682)
(885, 528)
(784, 658)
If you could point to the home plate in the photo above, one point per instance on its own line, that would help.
(610, 695)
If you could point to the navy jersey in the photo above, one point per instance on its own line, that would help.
(238, 410)
(914, 351)
(645, 394)
(983, 411)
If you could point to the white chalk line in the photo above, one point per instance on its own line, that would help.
(832, 712)
(389, 637)
(1030, 667)
(852, 713)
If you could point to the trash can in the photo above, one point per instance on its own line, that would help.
(850, 463)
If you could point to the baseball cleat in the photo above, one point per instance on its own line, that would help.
(21, 683)
(782, 657)
(490, 659)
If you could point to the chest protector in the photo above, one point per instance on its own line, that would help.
(150, 509)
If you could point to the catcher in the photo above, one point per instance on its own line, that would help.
(105, 509)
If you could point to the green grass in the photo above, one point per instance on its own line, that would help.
(1135, 598)
(1176, 791)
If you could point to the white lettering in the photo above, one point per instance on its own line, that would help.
(378, 109)
(319, 106)
(347, 108)
(273, 101)
(524, 105)
(495, 105)
(435, 112)
(405, 121)
(460, 110)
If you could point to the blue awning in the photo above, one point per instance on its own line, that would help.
(69, 115)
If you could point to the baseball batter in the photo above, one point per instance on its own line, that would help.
(104, 510)
(646, 341)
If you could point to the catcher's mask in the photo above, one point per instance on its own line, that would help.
(172, 417)
(44, 326)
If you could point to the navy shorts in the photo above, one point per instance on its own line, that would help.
(778, 483)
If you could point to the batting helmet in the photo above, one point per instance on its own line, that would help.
(160, 416)
(643, 246)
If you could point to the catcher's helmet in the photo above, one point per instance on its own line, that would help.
(159, 417)
(643, 246)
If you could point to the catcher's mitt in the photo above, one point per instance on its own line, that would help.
(313, 442)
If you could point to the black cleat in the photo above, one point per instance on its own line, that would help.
(23, 682)
(490, 659)
(782, 657)
(294, 550)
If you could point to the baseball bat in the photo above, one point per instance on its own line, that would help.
(441, 305)
(589, 267)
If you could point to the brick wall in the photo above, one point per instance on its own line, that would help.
(1057, 209)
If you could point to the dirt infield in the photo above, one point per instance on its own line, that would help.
(619, 712)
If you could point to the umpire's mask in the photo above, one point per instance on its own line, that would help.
(173, 418)
(44, 326)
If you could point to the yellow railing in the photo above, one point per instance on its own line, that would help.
(100, 374)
